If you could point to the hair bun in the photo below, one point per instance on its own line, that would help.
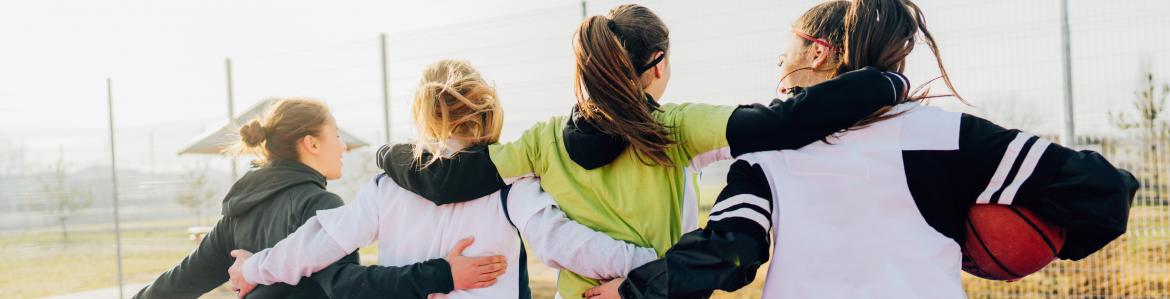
(253, 133)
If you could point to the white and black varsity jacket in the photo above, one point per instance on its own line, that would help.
(879, 212)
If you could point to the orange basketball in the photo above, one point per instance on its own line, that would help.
(1008, 243)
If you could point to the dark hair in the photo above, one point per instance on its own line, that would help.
(878, 33)
(275, 135)
(611, 52)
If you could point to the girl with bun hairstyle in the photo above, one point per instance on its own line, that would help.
(299, 150)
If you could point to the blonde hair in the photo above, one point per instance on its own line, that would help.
(274, 135)
(453, 100)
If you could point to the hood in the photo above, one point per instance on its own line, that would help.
(588, 145)
(264, 183)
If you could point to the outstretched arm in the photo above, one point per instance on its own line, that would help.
(200, 272)
(562, 243)
(318, 243)
(435, 276)
(1078, 190)
(821, 110)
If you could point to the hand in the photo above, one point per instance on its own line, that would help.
(607, 290)
(236, 273)
(473, 272)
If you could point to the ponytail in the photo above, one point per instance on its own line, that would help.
(882, 33)
(609, 52)
(453, 100)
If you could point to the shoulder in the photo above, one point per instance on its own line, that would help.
(706, 119)
(314, 198)
(679, 109)
(929, 128)
(552, 124)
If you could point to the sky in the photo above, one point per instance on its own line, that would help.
(166, 62)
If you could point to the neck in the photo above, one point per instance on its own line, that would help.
(653, 94)
(312, 163)
(454, 145)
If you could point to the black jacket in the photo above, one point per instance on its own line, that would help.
(814, 114)
(264, 207)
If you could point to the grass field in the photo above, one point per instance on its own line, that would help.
(39, 263)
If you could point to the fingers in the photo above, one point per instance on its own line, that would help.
(490, 268)
(489, 275)
(241, 254)
(484, 284)
(462, 245)
(593, 292)
(487, 260)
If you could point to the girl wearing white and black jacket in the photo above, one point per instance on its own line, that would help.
(879, 211)
(454, 108)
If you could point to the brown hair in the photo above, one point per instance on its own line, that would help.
(274, 136)
(453, 100)
(878, 33)
(609, 92)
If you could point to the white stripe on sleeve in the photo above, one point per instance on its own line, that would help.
(741, 198)
(745, 213)
(1026, 169)
(1005, 166)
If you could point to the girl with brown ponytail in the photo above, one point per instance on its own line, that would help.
(624, 164)
(880, 211)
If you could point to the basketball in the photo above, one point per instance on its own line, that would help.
(1008, 243)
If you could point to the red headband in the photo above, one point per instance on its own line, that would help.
(817, 41)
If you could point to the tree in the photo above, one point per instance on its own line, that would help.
(197, 194)
(12, 163)
(1150, 121)
(1011, 112)
(64, 200)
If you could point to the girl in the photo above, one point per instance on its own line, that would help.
(300, 149)
(624, 164)
(454, 108)
(880, 211)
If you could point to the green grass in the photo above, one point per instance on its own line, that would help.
(40, 263)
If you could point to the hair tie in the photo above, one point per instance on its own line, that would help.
(614, 28)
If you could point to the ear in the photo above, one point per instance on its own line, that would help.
(658, 67)
(311, 144)
(821, 55)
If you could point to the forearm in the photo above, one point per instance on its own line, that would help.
(1091, 199)
(565, 244)
(303, 252)
(725, 255)
(814, 114)
(348, 279)
(199, 272)
(702, 261)
(189, 279)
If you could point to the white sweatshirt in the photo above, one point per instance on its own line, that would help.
(411, 229)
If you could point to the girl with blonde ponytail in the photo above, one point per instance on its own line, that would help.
(455, 110)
